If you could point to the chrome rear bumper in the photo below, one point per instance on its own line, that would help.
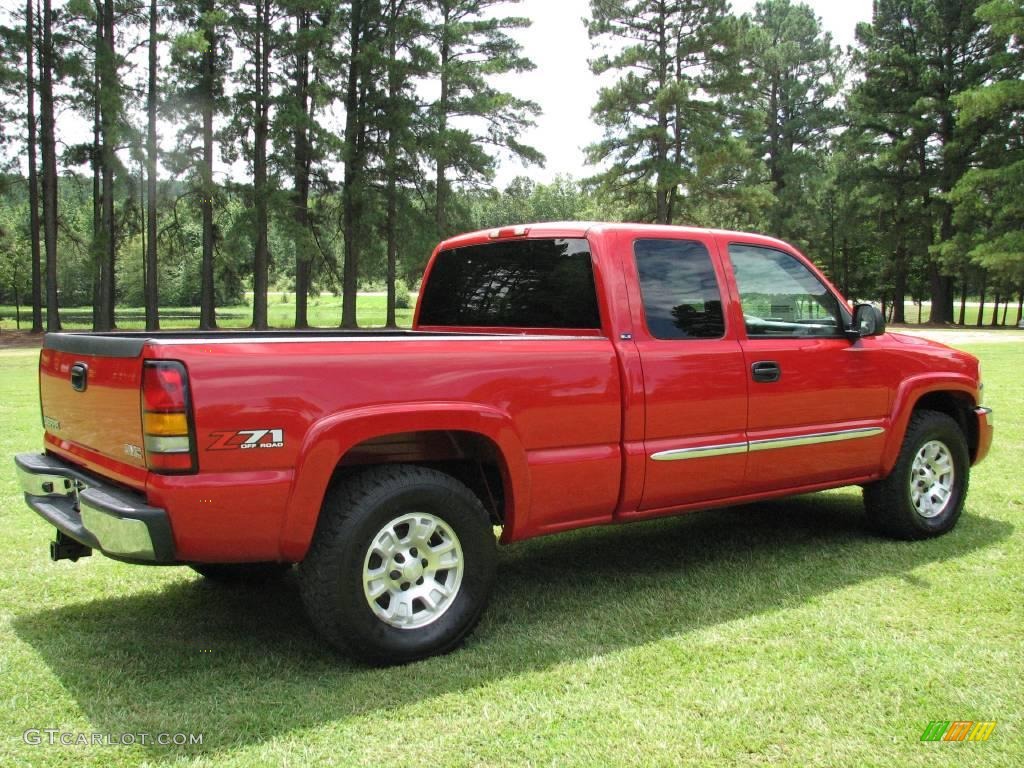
(93, 512)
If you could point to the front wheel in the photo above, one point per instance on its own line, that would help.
(401, 564)
(924, 494)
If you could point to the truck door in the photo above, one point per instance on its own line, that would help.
(695, 379)
(817, 401)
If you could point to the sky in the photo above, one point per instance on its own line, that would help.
(566, 90)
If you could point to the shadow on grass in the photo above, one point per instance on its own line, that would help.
(243, 665)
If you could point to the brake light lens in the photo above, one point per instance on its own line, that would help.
(166, 423)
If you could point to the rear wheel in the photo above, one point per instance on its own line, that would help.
(401, 564)
(924, 494)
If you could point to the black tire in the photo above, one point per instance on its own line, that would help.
(356, 511)
(241, 573)
(889, 502)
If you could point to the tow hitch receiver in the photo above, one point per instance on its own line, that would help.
(66, 548)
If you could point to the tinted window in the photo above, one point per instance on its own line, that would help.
(679, 288)
(517, 284)
(781, 296)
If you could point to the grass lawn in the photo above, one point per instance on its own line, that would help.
(778, 634)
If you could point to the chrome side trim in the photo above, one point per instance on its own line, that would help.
(700, 452)
(767, 444)
(772, 443)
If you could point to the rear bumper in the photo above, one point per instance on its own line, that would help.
(93, 512)
(985, 429)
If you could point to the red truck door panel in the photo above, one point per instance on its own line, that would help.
(694, 377)
(817, 402)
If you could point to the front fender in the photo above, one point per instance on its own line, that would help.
(330, 438)
(908, 393)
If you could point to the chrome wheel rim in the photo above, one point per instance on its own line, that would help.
(931, 479)
(413, 570)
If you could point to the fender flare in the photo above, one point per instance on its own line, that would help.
(908, 393)
(329, 439)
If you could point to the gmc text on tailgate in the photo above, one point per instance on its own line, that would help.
(556, 376)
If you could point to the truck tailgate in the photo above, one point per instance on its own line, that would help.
(89, 390)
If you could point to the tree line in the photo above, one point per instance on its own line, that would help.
(358, 134)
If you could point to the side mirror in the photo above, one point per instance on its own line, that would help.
(868, 320)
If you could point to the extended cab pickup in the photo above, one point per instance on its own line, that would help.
(556, 376)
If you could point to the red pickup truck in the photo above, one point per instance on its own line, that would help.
(556, 376)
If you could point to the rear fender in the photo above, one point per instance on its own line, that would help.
(329, 439)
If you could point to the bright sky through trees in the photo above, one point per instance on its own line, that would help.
(566, 90)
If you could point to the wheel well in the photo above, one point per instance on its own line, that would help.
(956, 405)
(469, 457)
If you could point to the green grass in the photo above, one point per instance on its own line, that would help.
(324, 311)
(778, 634)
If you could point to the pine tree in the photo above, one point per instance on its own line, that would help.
(657, 118)
(472, 45)
(199, 59)
(795, 74)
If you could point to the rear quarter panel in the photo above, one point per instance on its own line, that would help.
(557, 398)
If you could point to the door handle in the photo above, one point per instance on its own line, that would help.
(766, 371)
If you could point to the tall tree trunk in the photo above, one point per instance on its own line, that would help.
(661, 141)
(302, 161)
(207, 295)
(107, 238)
(981, 299)
(152, 289)
(964, 285)
(995, 310)
(1020, 305)
(390, 167)
(33, 173)
(1006, 305)
(441, 151)
(261, 259)
(351, 186)
(941, 294)
(899, 292)
(49, 152)
(96, 248)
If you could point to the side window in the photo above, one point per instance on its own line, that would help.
(679, 289)
(780, 296)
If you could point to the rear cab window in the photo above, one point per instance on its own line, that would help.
(539, 283)
(680, 292)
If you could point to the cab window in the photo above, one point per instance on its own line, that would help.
(679, 289)
(780, 296)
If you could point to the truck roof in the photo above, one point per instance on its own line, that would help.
(583, 228)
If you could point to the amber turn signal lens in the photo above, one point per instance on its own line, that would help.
(165, 424)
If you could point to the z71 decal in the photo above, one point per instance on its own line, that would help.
(247, 438)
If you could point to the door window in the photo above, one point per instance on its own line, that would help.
(679, 289)
(781, 297)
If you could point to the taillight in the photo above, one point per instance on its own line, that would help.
(166, 421)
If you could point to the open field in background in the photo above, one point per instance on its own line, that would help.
(776, 634)
(970, 313)
(325, 311)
